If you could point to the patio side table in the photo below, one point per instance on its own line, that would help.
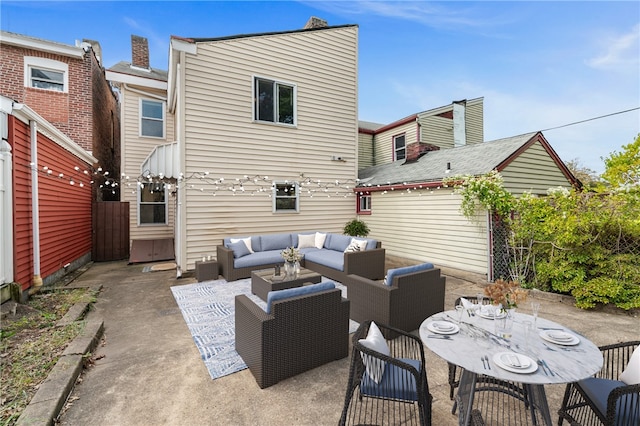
(206, 270)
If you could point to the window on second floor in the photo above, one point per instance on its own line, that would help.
(286, 197)
(275, 101)
(152, 118)
(399, 148)
(48, 74)
(152, 204)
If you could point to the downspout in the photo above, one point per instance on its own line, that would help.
(35, 208)
(177, 226)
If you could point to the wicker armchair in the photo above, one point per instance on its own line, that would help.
(402, 395)
(299, 334)
(603, 400)
(404, 304)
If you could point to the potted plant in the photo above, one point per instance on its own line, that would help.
(356, 228)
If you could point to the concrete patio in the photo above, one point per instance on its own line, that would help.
(148, 371)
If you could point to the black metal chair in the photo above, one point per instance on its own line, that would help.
(603, 399)
(402, 394)
(454, 372)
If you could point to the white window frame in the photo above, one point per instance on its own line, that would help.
(165, 202)
(396, 149)
(164, 118)
(275, 197)
(276, 82)
(366, 199)
(33, 62)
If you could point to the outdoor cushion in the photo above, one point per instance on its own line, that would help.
(288, 293)
(259, 258)
(329, 258)
(239, 249)
(371, 244)
(598, 391)
(631, 373)
(356, 245)
(306, 240)
(246, 241)
(255, 242)
(339, 242)
(406, 270)
(275, 242)
(375, 341)
(320, 239)
(396, 383)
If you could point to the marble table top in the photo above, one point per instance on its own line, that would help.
(477, 339)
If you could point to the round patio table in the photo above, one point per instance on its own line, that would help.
(475, 346)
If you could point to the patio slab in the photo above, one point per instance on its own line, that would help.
(149, 370)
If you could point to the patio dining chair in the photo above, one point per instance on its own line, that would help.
(604, 399)
(388, 384)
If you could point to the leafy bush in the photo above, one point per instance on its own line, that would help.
(356, 228)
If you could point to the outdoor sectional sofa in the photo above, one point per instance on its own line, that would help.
(323, 253)
(406, 297)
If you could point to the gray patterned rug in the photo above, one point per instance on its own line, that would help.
(208, 309)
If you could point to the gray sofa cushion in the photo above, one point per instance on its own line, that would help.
(275, 242)
(255, 242)
(330, 258)
(391, 273)
(260, 258)
(240, 249)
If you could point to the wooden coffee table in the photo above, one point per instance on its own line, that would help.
(262, 281)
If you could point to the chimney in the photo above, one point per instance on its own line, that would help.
(459, 123)
(139, 52)
(418, 149)
(314, 22)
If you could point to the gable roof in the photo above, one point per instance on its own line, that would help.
(477, 159)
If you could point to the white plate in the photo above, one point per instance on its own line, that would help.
(562, 338)
(488, 314)
(442, 327)
(531, 365)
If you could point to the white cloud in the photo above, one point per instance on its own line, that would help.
(620, 51)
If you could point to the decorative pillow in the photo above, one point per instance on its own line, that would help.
(631, 373)
(375, 341)
(320, 238)
(239, 249)
(247, 242)
(356, 245)
(306, 241)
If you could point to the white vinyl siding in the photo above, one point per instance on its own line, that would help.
(365, 151)
(222, 138)
(135, 150)
(475, 121)
(533, 171)
(384, 141)
(429, 228)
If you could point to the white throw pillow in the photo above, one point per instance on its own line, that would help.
(631, 374)
(376, 341)
(320, 238)
(246, 241)
(306, 240)
(356, 245)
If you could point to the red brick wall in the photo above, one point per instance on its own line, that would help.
(70, 112)
(64, 209)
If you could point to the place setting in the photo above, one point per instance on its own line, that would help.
(442, 329)
(515, 362)
(559, 337)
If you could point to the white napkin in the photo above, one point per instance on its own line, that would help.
(488, 310)
(466, 304)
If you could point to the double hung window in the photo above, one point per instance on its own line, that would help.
(364, 203)
(286, 197)
(152, 118)
(274, 101)
(399, 148)
(152, 205)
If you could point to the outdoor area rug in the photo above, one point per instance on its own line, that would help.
(208, 308)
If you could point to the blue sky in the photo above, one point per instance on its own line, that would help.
(538, 65)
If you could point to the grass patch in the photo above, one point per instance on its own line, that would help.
(31, 344)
